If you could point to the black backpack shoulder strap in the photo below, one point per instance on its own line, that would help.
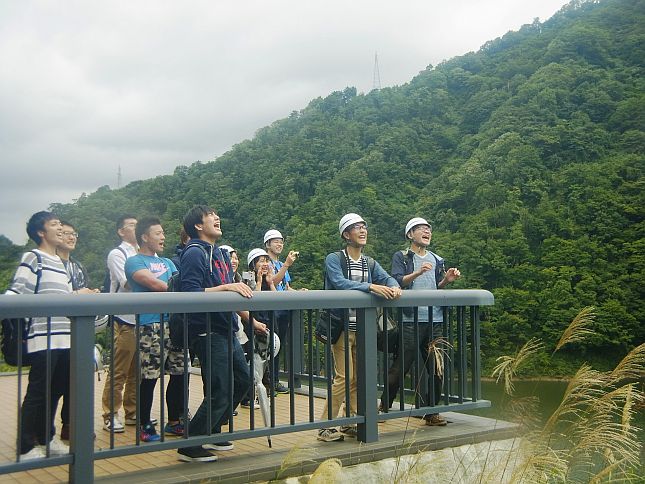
(203, 251)
(39, 270)
(343, 263)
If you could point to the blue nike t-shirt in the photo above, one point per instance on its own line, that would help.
(160, 267)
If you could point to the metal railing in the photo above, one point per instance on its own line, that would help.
(304, 360)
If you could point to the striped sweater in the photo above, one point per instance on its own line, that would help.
(53, 279)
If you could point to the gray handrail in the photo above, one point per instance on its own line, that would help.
(28, 305)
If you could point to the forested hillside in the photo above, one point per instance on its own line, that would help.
(527, 156)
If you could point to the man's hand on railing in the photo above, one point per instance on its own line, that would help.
(385, 291)
(238, 287)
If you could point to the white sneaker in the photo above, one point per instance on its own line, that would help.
(35, 453)
(57, 447)
(118, 426)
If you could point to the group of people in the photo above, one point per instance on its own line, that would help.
(204, 266)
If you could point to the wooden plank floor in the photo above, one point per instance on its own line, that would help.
(160, 459)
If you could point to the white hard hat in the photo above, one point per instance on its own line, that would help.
(272, 234)
(413, 222)
(227, 248)
(347, 220)
(254, 254)
(100, 323)
(262, 345)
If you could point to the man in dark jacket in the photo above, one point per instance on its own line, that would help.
(207, 268)
(418, 268)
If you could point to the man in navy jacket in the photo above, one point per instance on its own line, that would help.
(206, 268)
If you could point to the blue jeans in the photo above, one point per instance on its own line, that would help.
(218, 373)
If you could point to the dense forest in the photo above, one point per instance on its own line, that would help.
(527, 156)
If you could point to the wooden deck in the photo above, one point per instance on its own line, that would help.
(251, 459)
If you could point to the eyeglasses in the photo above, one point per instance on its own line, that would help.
(359, 226)
(70, 234)
(424, 228)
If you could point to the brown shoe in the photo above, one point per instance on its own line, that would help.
(435, 420)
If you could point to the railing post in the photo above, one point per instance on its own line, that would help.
(366, 373)
(82, 400)
(297, 343)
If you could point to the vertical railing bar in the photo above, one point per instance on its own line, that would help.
(446, 364)
(272, 364)
(48, 387)
(292, 401)
(416, 382)
(252, 371)
(186, 422)
(475, 354)
(461, 334)
(162, 381)
(328, 370)
(347, 369)
(207, 367)
(137, 356)
(111, 322)
(231, 376)
(310, 356)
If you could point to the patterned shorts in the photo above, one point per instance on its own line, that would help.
(150, 353)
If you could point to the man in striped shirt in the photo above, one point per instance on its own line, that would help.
(41, 271)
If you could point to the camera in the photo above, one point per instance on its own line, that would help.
(248, 276)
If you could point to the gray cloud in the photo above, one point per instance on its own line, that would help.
(88, 86)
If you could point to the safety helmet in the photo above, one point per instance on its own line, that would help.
(262, 345)
(254, 254)
(227, 248)
(413, 222)
(272, 234)
(347, 220)
(100, 323)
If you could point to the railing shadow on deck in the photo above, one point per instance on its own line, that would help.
(305, 361)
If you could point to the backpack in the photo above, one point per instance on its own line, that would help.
(107, 281)
(15, 331)
(439, 271)
(329, 325)
(176, 320)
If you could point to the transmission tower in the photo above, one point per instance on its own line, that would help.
(119, 179)
(376, 84)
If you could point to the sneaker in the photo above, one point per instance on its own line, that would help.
(349, 431)
(330, 435)
(247, 403)
(174, 429)
(219, 446)
(64, 432)
(37, 452)
(196, 454)
(148, 433)
(133, 421)
(435, 420)
(280, 388)
(118, 426)
(57, 447)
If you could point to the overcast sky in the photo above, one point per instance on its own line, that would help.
(88, 86)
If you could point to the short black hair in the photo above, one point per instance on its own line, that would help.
(120, 222)
(143, 226)
(37, 223)
(65, 222)
(193, 217)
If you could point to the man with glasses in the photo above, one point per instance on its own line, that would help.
(78, 277)
(350, 269)
(417, 268)
(125, 341)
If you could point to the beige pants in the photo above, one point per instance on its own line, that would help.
(125, 373)
(342, 376)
